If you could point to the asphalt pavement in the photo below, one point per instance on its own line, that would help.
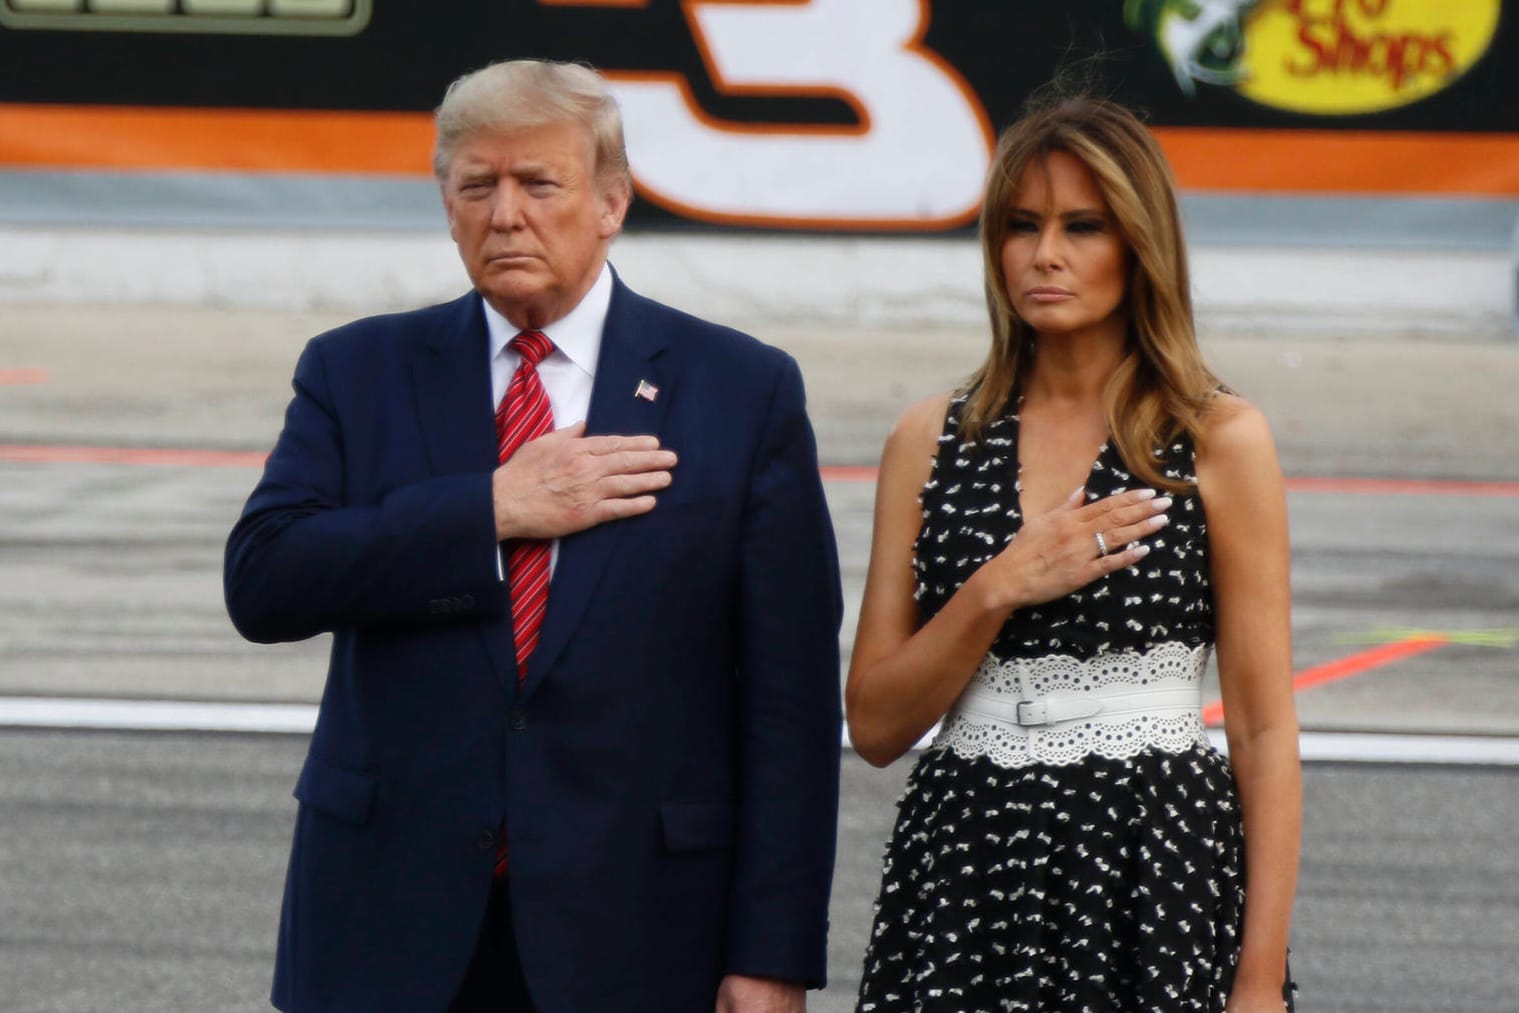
(142, 874)
(142, 871)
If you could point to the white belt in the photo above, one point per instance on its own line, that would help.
(1058, 709)
(1102, 703)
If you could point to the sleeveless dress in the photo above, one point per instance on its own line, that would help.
(1080, 867)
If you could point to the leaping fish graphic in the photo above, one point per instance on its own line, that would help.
(1201, 39)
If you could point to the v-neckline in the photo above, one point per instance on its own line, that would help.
(1018, 461)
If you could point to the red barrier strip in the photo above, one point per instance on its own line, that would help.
(1344, 668)
(848, 472)
(19, 377)
(1345, 486)
(63, 454)
(132, 455)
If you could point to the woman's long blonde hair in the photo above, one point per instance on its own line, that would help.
(1162, 387)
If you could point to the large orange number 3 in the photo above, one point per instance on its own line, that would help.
(915, 160)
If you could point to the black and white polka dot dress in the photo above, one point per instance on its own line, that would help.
(1087, 866)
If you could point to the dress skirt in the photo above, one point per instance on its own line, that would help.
(1102, 886)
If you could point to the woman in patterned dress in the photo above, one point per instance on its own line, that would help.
(1072, 841)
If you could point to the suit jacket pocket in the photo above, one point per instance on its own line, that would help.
(697, 826)
(341, 793)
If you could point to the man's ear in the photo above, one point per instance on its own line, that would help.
(448, 211)
(615, 198)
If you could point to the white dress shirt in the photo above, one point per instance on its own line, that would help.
(568, 372)
(570, 369)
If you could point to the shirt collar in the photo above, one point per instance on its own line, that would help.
(577, 335)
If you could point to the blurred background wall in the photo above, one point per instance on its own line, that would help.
(1340, 160)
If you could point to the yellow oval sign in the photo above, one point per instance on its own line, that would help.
(1336, 57)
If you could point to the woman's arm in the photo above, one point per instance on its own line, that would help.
(903, 678)
(1240, 482)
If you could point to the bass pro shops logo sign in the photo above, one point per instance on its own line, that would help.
(1321, 57)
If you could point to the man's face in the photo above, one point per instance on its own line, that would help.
(531, 220)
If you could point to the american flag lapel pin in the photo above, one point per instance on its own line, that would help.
(647, 391)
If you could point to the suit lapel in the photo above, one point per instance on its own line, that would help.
(452, 383)
(453, 391)
(630, 353)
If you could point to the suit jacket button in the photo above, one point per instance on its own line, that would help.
(519, 720)
(485, 840)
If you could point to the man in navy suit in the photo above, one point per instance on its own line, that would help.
(640, 814)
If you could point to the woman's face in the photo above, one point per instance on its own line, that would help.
(1066, 266)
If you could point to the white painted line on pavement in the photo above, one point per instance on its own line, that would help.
(155, 715)
(278, 718)
(1363, 747)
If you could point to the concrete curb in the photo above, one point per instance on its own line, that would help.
(755, 280)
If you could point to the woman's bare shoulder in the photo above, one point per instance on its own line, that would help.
(914, 438)
(922, 422)
(1235, 452)
(1233, 425)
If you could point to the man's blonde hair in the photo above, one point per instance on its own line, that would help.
(528, 93)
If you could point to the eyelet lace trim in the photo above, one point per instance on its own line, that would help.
(1170, 665)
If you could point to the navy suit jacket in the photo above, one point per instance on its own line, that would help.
(668, 771)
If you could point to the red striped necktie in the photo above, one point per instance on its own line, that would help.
(524, 414)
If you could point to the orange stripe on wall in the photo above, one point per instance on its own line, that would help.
(232, 140)
(1322, 161)
(265, 140)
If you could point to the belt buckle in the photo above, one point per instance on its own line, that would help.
(1032, 713)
